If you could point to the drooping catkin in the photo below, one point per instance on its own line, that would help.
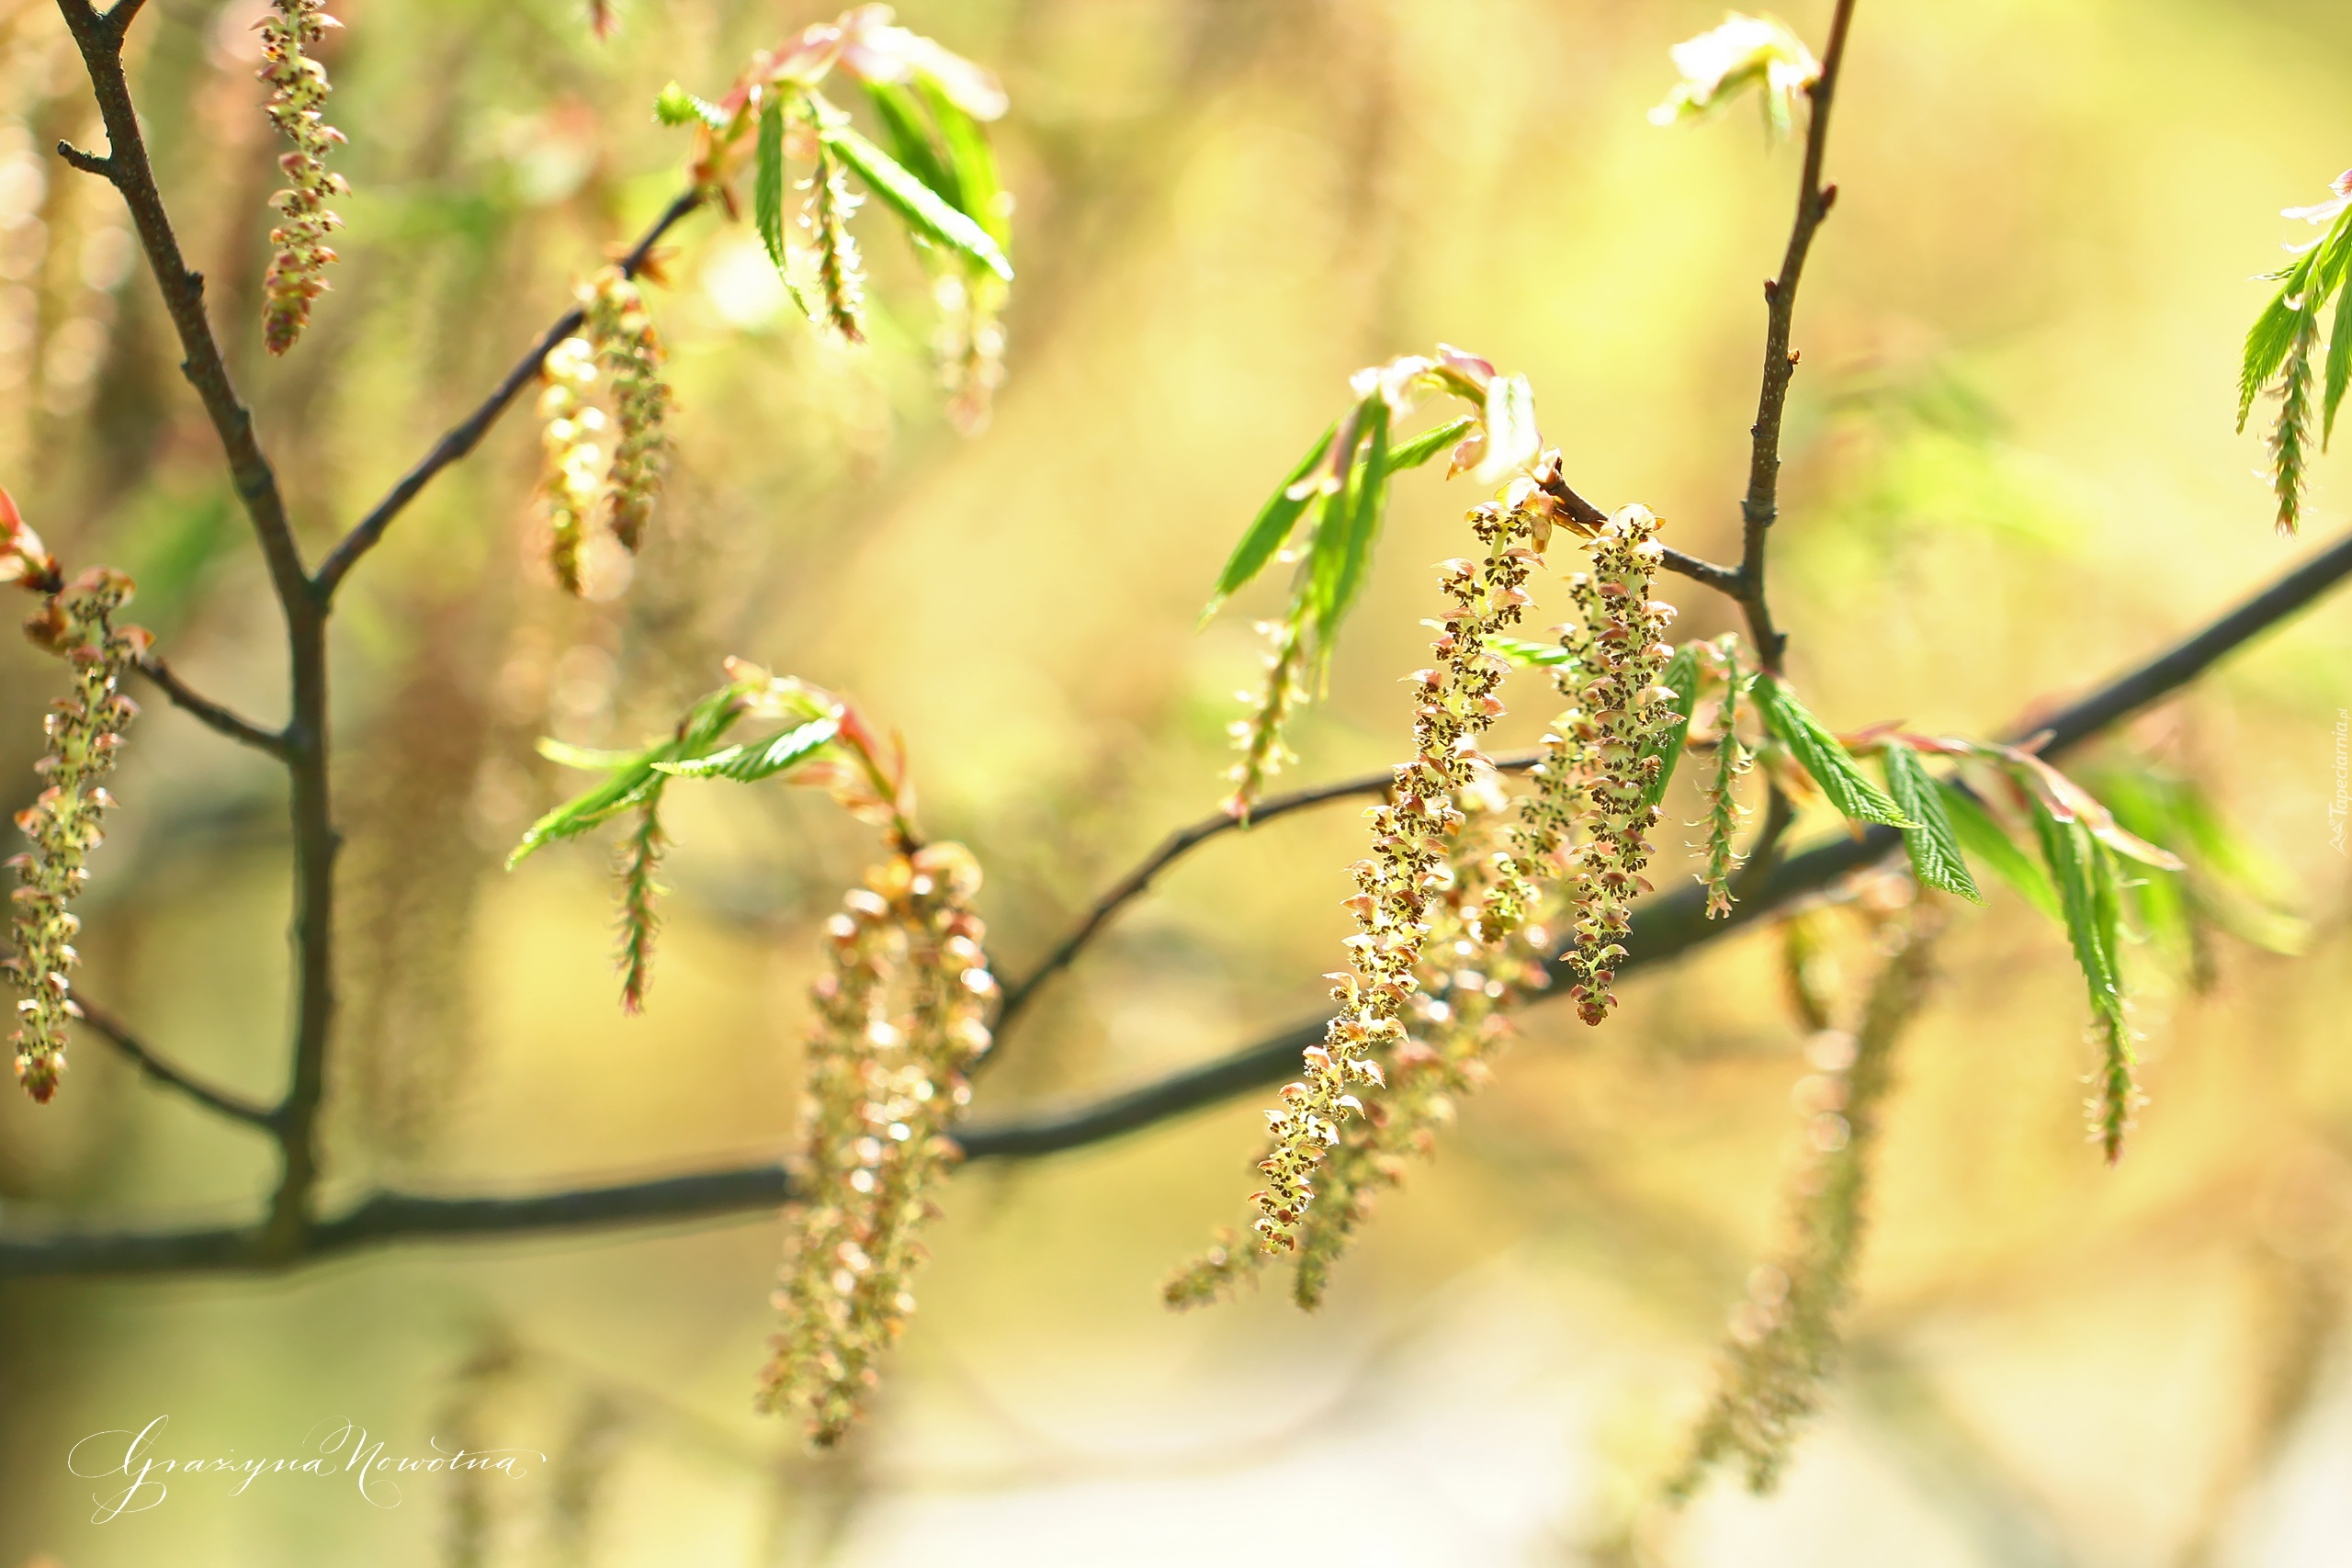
(970, 345)
(900, 1016)
(629, 350)
(1723, 809)
(1412, 834)
(1588, 809)
(1785, 1335)
(298, 96)
(2290, 435)
(1259, 736)
(641, 902)
(85, 730)
(572, 469)
(840, 273)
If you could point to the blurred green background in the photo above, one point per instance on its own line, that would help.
(2011, 474)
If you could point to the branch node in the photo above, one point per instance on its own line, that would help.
(88, 163)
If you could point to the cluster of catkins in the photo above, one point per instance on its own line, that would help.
(618, 340)
(298, 84)
(1599, 761)
(900, 1015)
(1400, 884)
(84, 728)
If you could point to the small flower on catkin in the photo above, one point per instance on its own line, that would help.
(1407, 872)
(85, 730)
(840, 274)
(1785, 1334)
(1596, 770)
(298, 85)
(901, 1012)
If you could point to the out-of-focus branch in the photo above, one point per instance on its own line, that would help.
(117, 1035)
(211, 715)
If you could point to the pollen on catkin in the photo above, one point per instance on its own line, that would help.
(298, 94)
(1412, 836)
(900, 1015)
(629, 350)
(85, 730)
(1587, 812)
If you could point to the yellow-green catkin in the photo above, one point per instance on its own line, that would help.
(641, 902)
(1412, 843)
(629, 350)
(1721, 791)
(970, 345)
(2290, 437)
(297, 96)
(1259, 736)
(571, 428)
(85, 730)
(1785, 1333)
(901, 1013)
(1587, 813)
(840, 274)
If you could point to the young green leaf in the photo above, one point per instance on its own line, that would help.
(1528, 654)
(767, 180)
(1422, 447)
(1935, 848)
(2269, 341)
(930, 213)
(1682, 678)
(901, 114)
(1270, 528)
(623, 789)
(971, 160)
(2340, 363)
(2079, 870)
(1821, 755)
(1342, 557)
(1974, 828)
(758, 760)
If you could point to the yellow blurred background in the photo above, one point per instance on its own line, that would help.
(2012, 473)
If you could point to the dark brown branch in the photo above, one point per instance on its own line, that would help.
(303, 747)
(113, 1031)
(1664, 928)
(1585, 514)
(464, 436)
(233, 724)
(1178, 844)
(1762, 503)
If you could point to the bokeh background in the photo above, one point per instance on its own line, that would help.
(2012, 473)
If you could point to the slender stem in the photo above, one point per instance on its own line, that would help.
(466, 434)
(115, 1032)
(1181, 842)
(1762, 503)
(1585, 514)
(233, 724)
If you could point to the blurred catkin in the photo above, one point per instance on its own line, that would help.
(630, 352)
(298, 94)
(569, 475)
(900, 1015)
(85, 730)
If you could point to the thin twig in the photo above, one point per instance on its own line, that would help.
(464, 436)
(1813, 201)
(1664, 928)
(1182, 841)
(212, 714)
(115, 1032)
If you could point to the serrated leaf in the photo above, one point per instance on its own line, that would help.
(901, 114)
(1977, 833)
(758, 760)
(1682, 678)
(1342, 557)
(1427, 445)
(623, 789)
(588, 759)
(1527, 654)
(2340, 362)
(2272, 335)
(1822, 756)
(1512, 439)
(1935, 848)
(971, 156)
(1267, 531)
(675, 106)
(767, 180)
(931, 214)
(2086, 884)
(2070, 799)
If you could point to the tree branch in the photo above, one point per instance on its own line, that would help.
(1813, 201)
(233, 724)
(464, 436)
(1664, 928)
(116, 1033)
